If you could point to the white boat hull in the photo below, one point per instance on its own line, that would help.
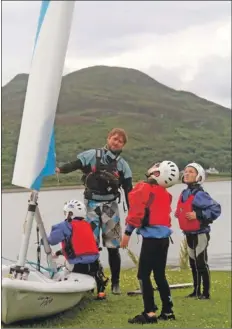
(41, 296)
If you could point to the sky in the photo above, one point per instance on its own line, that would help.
(185, 45)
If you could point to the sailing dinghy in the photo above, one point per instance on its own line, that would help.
(40, 296)
(28, 293)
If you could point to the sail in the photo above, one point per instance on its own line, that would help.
(35, 157)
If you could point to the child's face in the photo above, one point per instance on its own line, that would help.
(190, 175)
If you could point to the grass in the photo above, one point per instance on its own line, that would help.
(183, 256)
(115, 311)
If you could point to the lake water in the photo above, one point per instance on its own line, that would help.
(14, 209)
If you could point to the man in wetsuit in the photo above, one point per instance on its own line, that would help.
(104, 173)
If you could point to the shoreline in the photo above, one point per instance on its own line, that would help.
(80, 187)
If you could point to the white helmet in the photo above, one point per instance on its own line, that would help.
(166, 173)
(200, 172)
(76, 207)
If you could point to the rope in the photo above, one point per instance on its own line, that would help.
(132, 257)
(10, 260)
(33, 264)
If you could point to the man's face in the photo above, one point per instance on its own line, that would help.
(115, 142)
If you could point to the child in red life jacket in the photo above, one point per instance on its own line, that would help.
(195, 211)
(149, 212)
(60, 252)
(79, 246)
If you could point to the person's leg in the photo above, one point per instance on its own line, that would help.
(159, 266)
(202, 264)
(144, 272)
(114, 259)
(81, 268)
(111, 236)
(96, 270)
(192, 241)
(93, 217)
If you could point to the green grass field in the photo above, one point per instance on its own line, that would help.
(115, 310)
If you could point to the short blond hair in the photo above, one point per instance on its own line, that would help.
(119, 131)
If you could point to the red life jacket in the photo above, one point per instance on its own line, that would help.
(81, 242)
(151, 201)
(182, 208)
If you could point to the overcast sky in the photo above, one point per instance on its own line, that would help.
(185, 45)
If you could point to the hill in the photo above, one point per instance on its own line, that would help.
(162, 123)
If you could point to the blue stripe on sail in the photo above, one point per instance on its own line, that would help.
(49, 168)
(43, 10)
(50, 165)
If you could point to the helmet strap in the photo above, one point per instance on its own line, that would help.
(151, 180)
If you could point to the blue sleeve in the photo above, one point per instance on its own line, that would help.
(129, 229)
(58, 233)
(210, 209)
(87, 157)
(127, 173)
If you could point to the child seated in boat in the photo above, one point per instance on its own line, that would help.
(79, 246)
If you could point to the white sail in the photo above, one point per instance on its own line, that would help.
(33, 159)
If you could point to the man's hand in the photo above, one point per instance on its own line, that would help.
(57, 170)
(125, 241)
(191, 215)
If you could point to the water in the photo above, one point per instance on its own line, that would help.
(14, 208)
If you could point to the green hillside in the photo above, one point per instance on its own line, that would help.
(161, 123)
